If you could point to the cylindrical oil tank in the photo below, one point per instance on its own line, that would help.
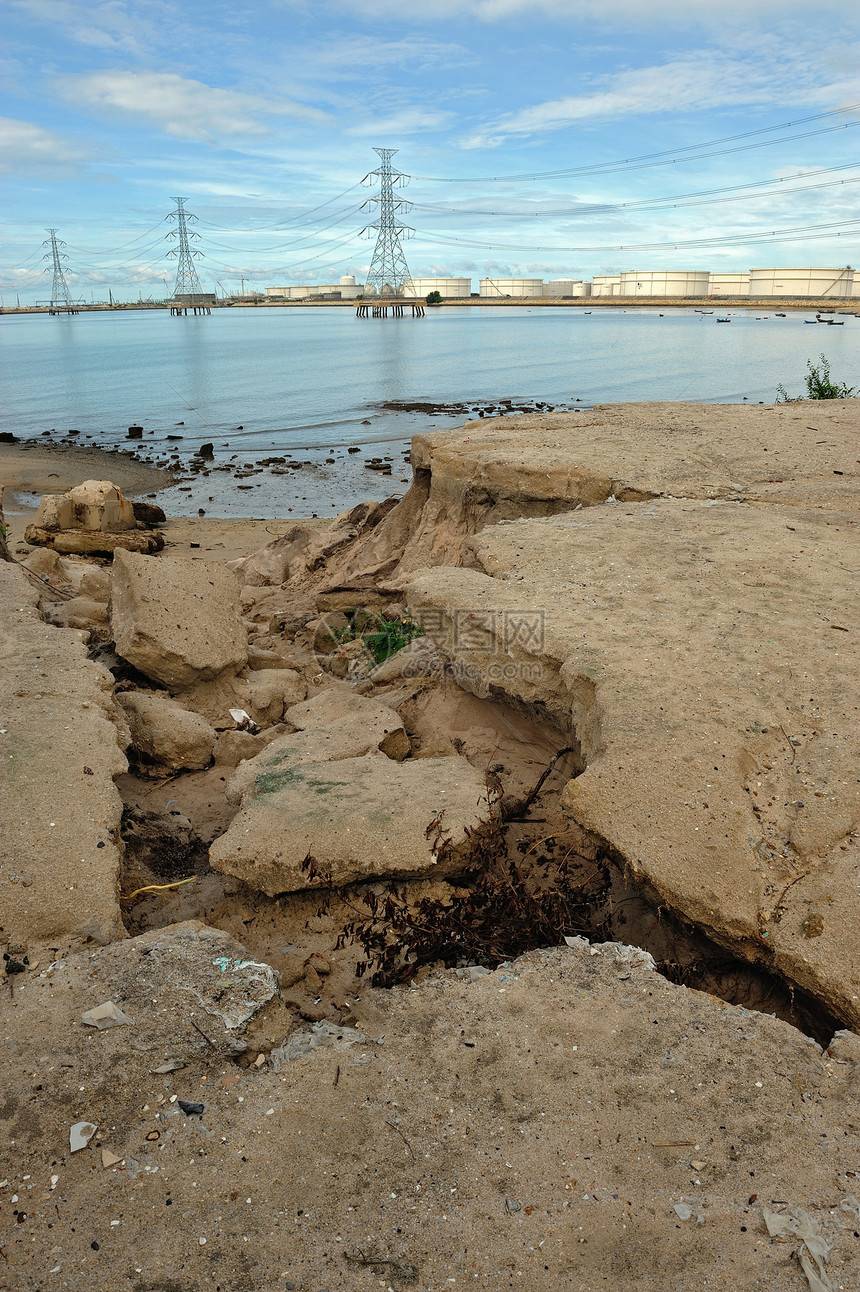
(606, 285)
(567, 287)
(348, 280)
(664, 282)
(501, 287)
(446, 287)
(728, 284)
(802, 282)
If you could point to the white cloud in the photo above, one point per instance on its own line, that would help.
(181, 106)
(603, 12)
(112, 25)
(26, 148)
(406, 121)
(695, 82)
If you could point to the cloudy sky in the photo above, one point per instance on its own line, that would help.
(548, 138)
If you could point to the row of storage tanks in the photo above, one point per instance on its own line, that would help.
(839, 283)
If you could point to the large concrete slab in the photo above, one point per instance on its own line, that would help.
(705, 655)
(354, 819)
(59, 808)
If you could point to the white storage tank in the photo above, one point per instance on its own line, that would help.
(446, 287)
(802, 282)
(567, 287)
(606, 285)
(348, 280)
(664, 282)
(728, 284)
(503, 287)
(277, 293)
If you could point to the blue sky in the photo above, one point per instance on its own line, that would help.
(519, 121)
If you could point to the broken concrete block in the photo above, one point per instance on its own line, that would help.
(177, 621)
(348, 819)
(272, 690)
(93, 505)
(351, 713)
(166, 733)
(333, 726)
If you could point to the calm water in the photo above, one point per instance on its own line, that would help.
(309, 382)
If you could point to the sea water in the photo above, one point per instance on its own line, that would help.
(311, 382)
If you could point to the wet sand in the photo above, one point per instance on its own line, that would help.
(28, 470)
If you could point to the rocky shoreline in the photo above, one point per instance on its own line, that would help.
(591, 682)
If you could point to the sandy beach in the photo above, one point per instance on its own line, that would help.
(522, 957)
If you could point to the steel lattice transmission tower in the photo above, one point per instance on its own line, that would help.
(389, 272)
(187, 286)
(61, 297)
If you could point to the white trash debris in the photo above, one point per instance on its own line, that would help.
(80, 1135)
(106, 1015)
(316, 1037)
(798, 1223)
(850, 1205)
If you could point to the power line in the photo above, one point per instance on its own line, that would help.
(702, 198)
(666, 157)
(773, 235)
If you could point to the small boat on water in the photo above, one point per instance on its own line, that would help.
(834, 322)
(725, 320)
(779, 315)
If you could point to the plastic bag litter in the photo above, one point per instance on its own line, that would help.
(106, 1015)
(815, 1248)
(316, 1037)
(850, 1205)
(684, 1211)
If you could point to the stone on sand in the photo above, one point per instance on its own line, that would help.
(272, 690)
(165, 733)
(339, 709)
(333, 726)
(349, 818)
(177, 621)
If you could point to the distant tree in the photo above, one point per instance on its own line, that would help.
(433, 298)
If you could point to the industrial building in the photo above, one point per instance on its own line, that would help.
(840, 283)
(447, 287)
(664, 282)
(728, 284)
(511, 287)
(566, 287)
(346, 289)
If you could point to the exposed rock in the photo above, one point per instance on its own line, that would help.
(48, 566)
(59, 859)
(232, 747)
(418, 658)
(260, 659)
(91, 518)
(166, 733)
(347, 818)
(93, 505)
(695, 651)
(271, 691)
(335, 725)
(339, 709)
(80, 612)
(84, 542)
(148, 513)
(95, 582)
(177, 621)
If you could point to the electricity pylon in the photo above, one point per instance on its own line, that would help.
(61, 297)
(388, 273)
(187, 283)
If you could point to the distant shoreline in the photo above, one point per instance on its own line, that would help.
(842, 304)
